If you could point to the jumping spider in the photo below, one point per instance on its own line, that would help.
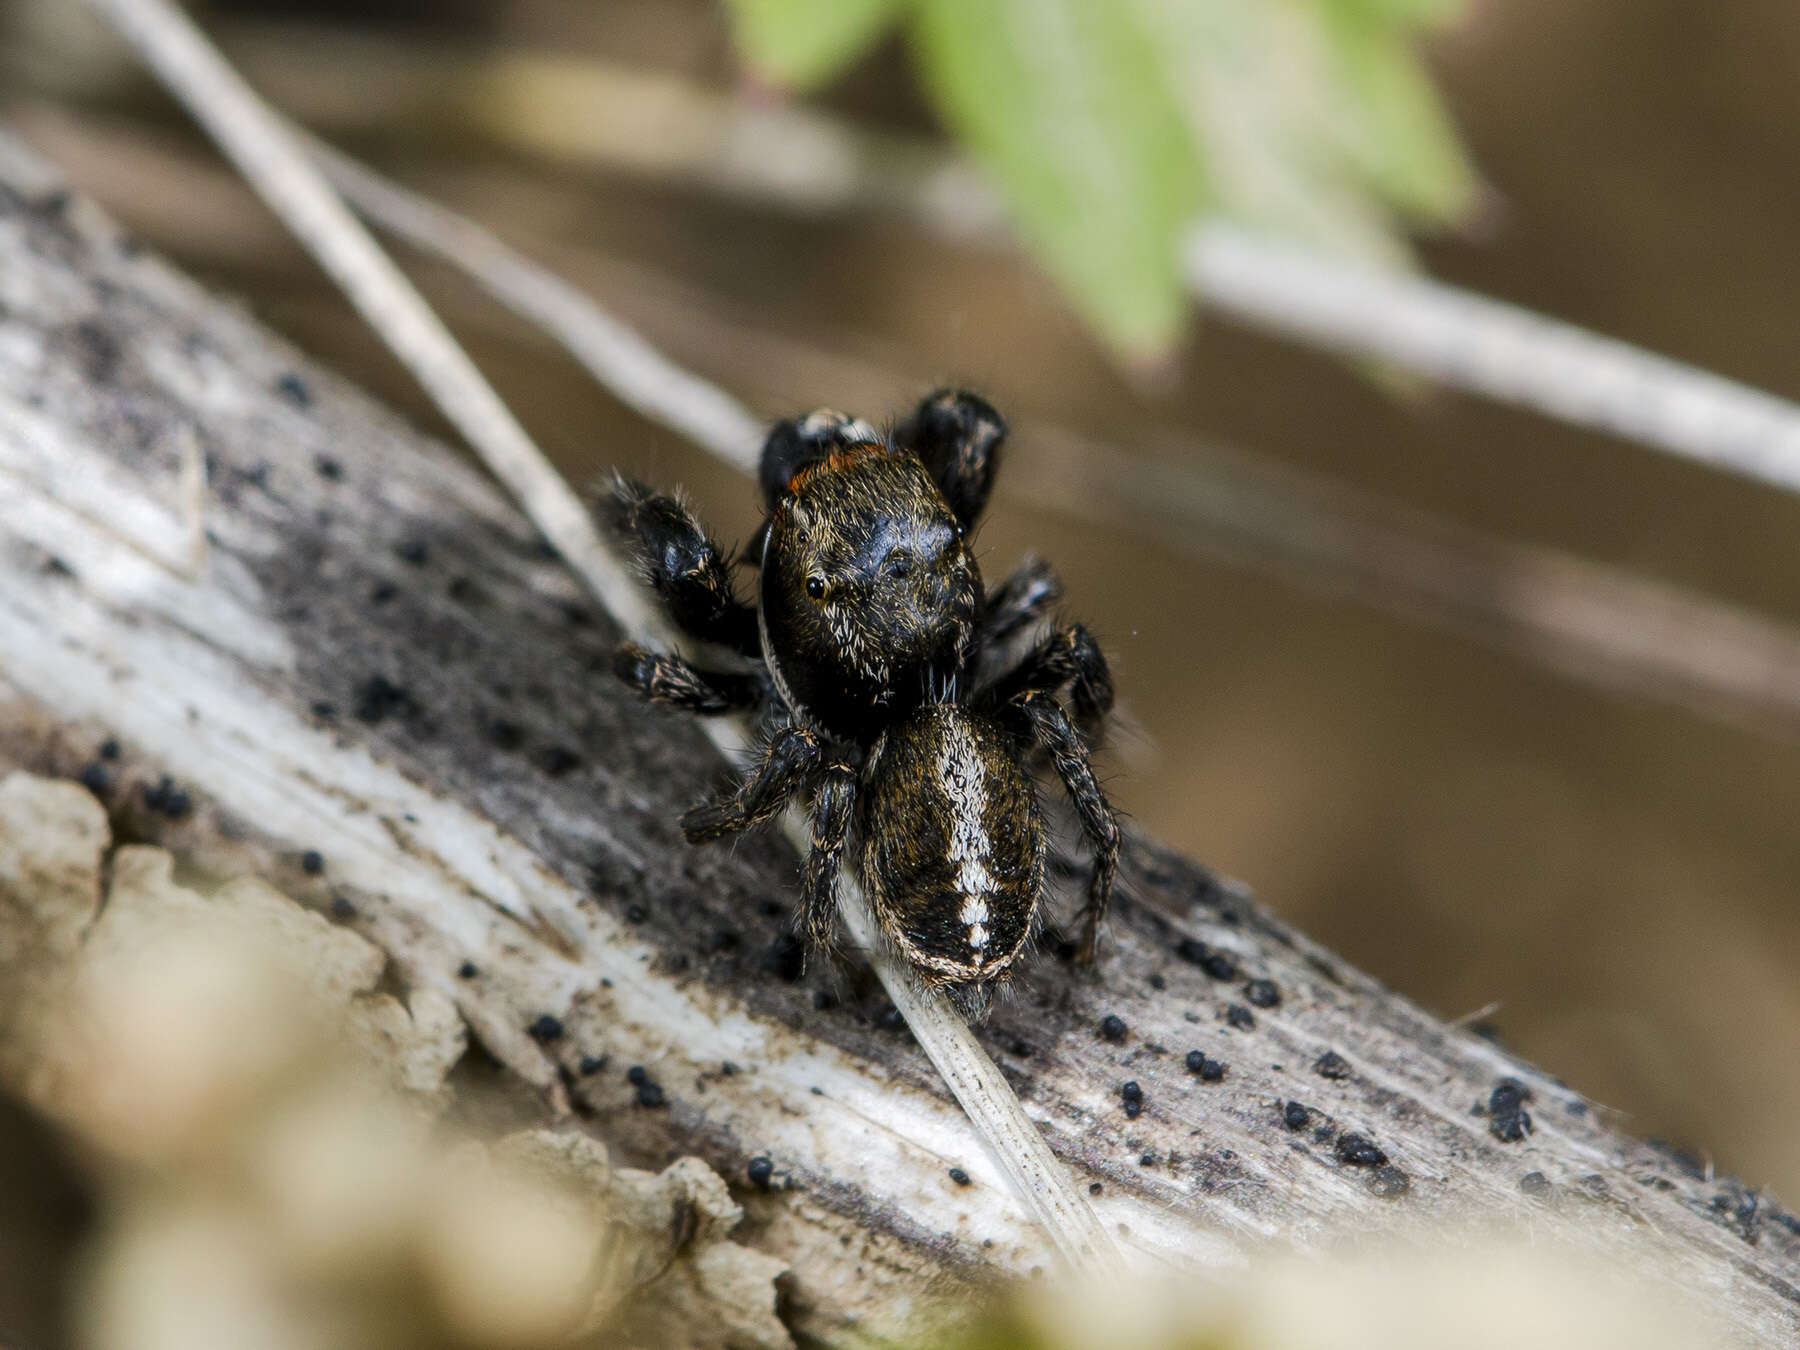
(887, 681)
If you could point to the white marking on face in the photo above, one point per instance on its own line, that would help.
(964, 782)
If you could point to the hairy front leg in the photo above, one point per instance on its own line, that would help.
(958, 436)
(682, 564)
(782, 769)
(662, 678)
(833, 814)
(1068, 753)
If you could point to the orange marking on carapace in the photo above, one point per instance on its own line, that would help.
(837, 459)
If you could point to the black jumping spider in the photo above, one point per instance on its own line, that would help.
(885, 675)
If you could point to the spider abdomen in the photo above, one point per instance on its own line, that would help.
(953, 852)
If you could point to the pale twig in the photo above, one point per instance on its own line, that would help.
(1591, 621)
(804, 161)
(1498, 350)
(616, 354)
(268, 156)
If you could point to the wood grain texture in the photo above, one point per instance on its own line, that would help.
(378, 665)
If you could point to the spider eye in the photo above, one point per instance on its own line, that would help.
(815, 587)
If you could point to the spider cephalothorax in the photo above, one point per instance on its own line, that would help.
(869, 593)
(884, 683)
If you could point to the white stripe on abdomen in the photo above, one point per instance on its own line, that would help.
(965, 784)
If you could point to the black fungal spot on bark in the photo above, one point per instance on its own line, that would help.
(1094, 1188)
(167, 799)
(109, 749)
(1738, 1208)
(1240, 1017)
(504, 735)
(556, 760)
(1207, 1070)
(97, 351)
(312, 862)
(1389, 1182)
(1191, 950)
(295, 390)
(96, 778)
(649, 1092)
(590, 1065)
(1534, 1184)
(413, 552)
(1684, 1160)
(1296, 1115)
(761, 1171)
(324, 709)
(1508, 1120)
(379, 698)
(1112, 1028)
(467, 971)
(328, 468)
(960, 1177)
(545, 1029)
(1133, 1097)
(1332, 1065)
(1263, 993)
(1220, 966)
(1358, 1150)
(342, 910)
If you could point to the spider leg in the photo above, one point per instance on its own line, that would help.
(661, 678)
(683, 565)
(833, 814)
(1068, 656)
(795, 442)
(958, 435)
(1021, 600)
(1053, 731)
(782, 769)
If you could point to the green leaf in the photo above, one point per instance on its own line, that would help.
(1393, 127)
(1110, 124)
(1060, 100)
(803, 43)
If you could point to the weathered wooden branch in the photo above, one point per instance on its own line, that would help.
(378, 690)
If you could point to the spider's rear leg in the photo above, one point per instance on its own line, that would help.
(795, 442)
(690, 572)
(1021, 600)
(662, 678)
(833, 814)
(1051, 728)
(958, 436)
(1069, 656)
(783, 768)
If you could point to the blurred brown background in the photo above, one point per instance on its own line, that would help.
(1617, 876)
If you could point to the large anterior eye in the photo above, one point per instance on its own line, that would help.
(815, 587)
